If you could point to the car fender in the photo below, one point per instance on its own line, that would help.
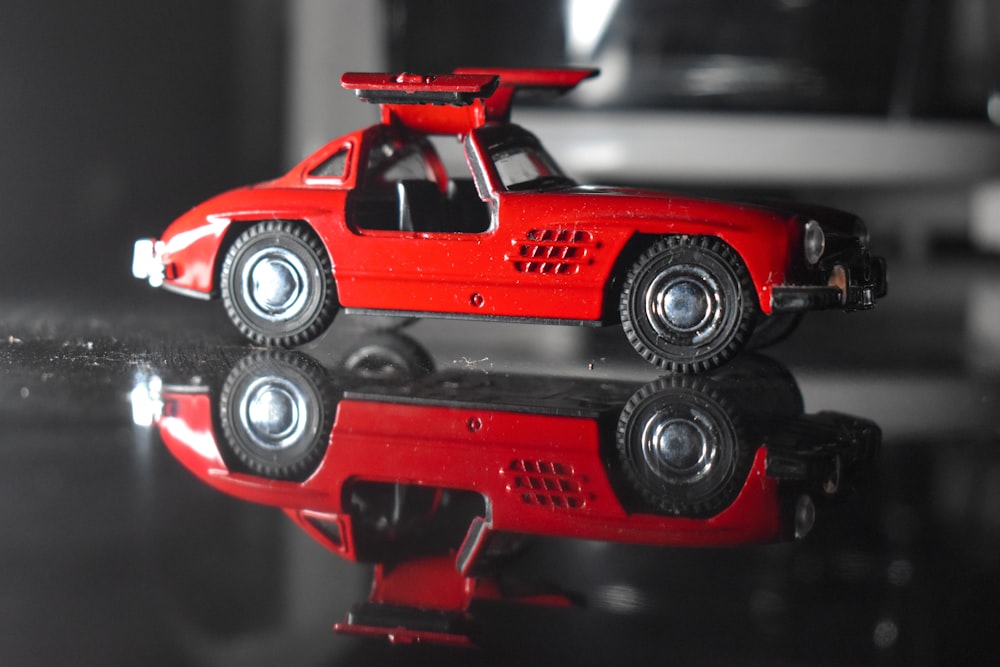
(763, 237)
(196, 243)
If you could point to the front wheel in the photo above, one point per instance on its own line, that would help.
(688, 304)
(277, 284)
(682, 448)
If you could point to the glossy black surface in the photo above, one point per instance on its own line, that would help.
(112, 552)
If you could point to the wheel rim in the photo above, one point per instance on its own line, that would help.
(273, 412)
(276, 284)
(681, 447)
(684, 302)
(678, 450)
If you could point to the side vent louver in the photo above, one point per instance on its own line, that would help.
(560, 251)
(546, 484)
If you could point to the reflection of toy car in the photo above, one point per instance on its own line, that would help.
(372, 222)
(432, 477)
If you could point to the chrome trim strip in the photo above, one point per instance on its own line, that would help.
(186, 291)
(472, 316)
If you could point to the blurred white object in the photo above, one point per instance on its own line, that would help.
(985, 216)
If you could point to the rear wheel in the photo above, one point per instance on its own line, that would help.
(277, 284)
(688, 304)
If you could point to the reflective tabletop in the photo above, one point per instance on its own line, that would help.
(433, 492)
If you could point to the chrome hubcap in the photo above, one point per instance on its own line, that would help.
(684, 301)
(272, 412)
(275, 281)
(679, 450)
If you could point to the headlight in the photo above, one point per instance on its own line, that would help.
(861, 233)
(814, 241)
(147, 400)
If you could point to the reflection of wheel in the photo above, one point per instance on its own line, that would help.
(388, 323)
(772, 329)
(388, 356)
(682, 449)
(688, 304)
(276, 414)
(277, 284)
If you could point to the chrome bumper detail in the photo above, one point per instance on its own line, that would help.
(145, 263)
(854, 284)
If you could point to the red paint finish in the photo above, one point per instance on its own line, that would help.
(497, 106)
(509, 236)
(429, 490)
(492, 453)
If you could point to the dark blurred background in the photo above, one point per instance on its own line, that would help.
(114, 118)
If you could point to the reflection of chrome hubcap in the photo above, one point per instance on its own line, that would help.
(805, 516)
(273, 413)
(678, 450)
(684, 300)
(275, 281)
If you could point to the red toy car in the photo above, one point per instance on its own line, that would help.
(436, 477)
(373, 223)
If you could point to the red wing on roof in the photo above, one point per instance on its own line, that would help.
(405, 88)
(487, 92)
(552, 79)
(512, 80)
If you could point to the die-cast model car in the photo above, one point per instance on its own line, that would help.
(374, 223)
(676, 461)
(436, 478)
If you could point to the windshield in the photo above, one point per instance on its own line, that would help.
(526, 167)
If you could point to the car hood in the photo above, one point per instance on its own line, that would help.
(633, 204)
(658, 204)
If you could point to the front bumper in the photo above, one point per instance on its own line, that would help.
(812, 447)
(850, 285)
(146, 263)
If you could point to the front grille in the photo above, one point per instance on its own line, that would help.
(560, 251)
(547, 484)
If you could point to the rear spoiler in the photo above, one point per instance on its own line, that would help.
(461, 101)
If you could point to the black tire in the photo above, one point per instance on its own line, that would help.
(682, 448)
(772, 329)
(688, 304)
(277, 284)
(276, 414)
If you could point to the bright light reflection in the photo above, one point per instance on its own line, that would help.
(201, 442)
(147, 405)
(610, 154)
(586, 23)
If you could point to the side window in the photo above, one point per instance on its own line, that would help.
(332, 167)
(394, 161)
(406, 188)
